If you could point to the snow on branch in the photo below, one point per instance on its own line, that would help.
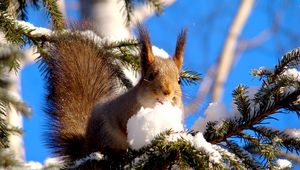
(36, 31)
(283, 164)
(93, 156)
(293, 133)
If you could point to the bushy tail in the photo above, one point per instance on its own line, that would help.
(79, 74)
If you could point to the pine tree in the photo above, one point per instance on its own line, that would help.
(238, 142)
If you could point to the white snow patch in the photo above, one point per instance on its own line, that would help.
(144, 126)
(283, 164)
(218, 112)
(93, 156)
(131, 75)
(183, 135)
(159, 52)
(292, 73)
(264, 69)
(8, 49)
(54, 161)
(277, 139)
(2, 38)
(91, 35)
(214, 112)
(293, 132)
(36, 30)
(32, 165)
(200, 143)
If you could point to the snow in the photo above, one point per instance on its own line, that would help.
(53, 161)
(160, 52)
(32, 165)
(293, 132)
(173, 137)
(200, 143)
(283, 164)
(263, 69)
(2, 38)
(93, 156)
(109, 22)
(292, 73)
(7, 50)
(227, 153)
(218, 111)
(144, 126)
(91, 35)
(214, 112)
(36, 30)
(277, 139)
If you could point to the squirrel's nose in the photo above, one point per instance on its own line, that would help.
(166, 92)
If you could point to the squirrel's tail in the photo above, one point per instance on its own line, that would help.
(79, 74)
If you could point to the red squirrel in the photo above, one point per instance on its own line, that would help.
(86, 113)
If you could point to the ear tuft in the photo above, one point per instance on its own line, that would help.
(145, 43)
(181, 41)
(147, 56)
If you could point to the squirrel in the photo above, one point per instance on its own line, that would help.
(87, 114)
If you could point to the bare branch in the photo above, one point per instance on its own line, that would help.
(227, 54)
(261, 37)
(203, 91)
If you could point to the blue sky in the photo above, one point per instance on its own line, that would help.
(199, 54)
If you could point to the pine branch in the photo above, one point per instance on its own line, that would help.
(13, 33)
(10, 56)
(266, 149)
(7, 159)
(125, 51)
(189, 77)
(237, 124)
(157, 5)
(290, 144)
(291, 59)
(281, 94)
(55, 14)
(165, 154)
(6, 98)
(4, 5)
(245, 156)
(242, 101)
(3, 128)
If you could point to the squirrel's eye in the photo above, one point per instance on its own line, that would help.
(179, 81)
(150, 77)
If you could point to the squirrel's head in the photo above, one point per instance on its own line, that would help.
(160, 80)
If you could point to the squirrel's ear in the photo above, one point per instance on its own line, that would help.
(147, 56)
(181, 40)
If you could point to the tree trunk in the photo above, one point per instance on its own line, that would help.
(108, 16)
